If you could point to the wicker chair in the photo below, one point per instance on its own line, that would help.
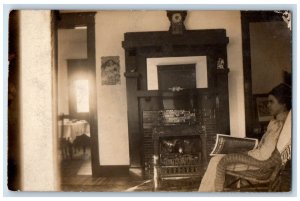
(267, 176)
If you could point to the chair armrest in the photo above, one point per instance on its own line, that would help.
(239, 158)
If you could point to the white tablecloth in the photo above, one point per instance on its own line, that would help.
(73, 129)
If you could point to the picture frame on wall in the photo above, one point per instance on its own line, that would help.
(110, 70)
(261, 107)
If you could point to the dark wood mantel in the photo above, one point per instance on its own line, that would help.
(139, 46)
(162, 38)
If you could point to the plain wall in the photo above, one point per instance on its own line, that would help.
(111, 99)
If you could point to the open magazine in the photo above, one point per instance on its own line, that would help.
(226, 144)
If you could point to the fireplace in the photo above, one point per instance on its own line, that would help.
(196, 86)
(180, 151)
(177, 140)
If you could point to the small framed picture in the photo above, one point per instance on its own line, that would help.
(110, 70)
(261, 106)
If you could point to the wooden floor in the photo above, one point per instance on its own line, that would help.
(90, 184)
(72, 182)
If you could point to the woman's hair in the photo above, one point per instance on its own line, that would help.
(283, 94)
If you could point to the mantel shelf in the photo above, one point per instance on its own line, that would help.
(184, 92)
(137, 74)
(161, 38)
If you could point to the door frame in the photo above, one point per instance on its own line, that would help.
(69, 21)
(248, 17)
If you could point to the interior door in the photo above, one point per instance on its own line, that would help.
(267, 62)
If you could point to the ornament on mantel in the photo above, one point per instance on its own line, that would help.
(220, 63)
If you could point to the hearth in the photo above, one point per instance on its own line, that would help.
(179, 152)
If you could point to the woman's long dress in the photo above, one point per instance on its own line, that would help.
(210, 181)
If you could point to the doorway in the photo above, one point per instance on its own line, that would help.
(77, 109)
(267, 61)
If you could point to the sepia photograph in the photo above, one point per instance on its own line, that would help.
(150, 100)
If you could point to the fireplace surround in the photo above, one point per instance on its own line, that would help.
(209, 100)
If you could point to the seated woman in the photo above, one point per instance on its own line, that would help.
(279, 105)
